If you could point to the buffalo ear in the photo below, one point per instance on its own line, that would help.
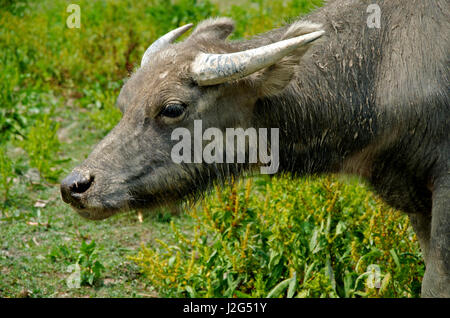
(213, 29)
(274, 79)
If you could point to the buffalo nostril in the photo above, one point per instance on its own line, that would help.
(81, 185)
(75, 183)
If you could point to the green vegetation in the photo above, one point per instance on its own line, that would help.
(254, 238)
(302, 238)
(85, 264)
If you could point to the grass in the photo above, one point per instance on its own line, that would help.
(277, 238)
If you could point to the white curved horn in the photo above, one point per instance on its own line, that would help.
(212, 69)
(164, 41)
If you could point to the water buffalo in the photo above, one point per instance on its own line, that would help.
(347, 94)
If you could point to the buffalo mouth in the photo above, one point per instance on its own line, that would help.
(95, 212)
(97, 198)
(103, 210)
(94, 215)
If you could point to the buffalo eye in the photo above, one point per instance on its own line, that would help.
(173, 110)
